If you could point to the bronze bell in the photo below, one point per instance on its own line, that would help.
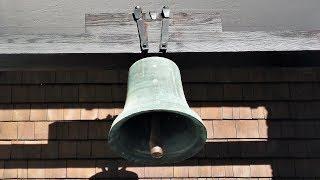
(156, 126)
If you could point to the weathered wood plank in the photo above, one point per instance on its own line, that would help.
(189, 32)
(178, 42)
(187, 18)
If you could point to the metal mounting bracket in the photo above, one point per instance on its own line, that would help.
(142, 18)
(141, 29)
(164, 29)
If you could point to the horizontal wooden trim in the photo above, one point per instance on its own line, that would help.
(93, 61)
(193, 42)
(189, 32)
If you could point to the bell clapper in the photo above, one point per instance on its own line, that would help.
(156, 150)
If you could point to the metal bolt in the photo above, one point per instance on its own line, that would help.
(166, 12)
(153, 15)
(137, 12)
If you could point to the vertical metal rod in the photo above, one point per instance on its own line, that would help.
(141, 29)
(156, 150)
(164, 29)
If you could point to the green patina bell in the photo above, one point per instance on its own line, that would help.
(156, 126)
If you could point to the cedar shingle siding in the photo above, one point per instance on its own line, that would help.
(262, 122)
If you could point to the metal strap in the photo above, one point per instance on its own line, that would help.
(144, 45)
(164, 29)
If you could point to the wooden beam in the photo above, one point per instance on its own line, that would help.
(189, 32)
(56, 62)
(61, 16)
(184, 42)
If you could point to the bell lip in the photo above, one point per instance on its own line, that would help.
(197, 146)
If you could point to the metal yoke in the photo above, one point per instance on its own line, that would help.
(140, 18)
